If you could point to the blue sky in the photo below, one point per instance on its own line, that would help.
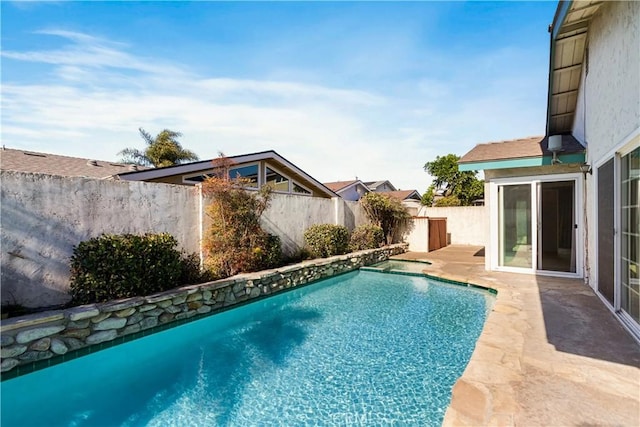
(341, 89)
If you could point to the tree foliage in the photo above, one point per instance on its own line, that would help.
(325, 240)
(162, 150)
(113, 266)
(235, 242)
(453, 183)
(386, 212)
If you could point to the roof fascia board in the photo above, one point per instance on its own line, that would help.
(558, 19)
(279, 158)
(520, 163)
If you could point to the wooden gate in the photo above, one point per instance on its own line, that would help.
(437, 233)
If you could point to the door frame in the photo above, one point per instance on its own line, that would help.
(533, 181)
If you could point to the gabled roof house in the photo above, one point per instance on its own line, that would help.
(349, 190)
(568, 203)
(266, 167)
(380, 186)
(261, 168)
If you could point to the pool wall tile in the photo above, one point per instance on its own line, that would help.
(72, 327)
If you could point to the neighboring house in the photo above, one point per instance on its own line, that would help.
(574, 210)
(411, 199)
(263, 168)
(53, 164)
(349, 190)
(380, 186)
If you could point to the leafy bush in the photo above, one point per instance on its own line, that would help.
(324, 240)
(387, 212)
(120, 266)
(366, 236)
(447, 201)
(235, 241)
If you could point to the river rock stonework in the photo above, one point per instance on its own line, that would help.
(41, 336)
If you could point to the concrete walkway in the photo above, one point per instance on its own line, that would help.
(550, 353)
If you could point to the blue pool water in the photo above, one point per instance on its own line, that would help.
(360, 349)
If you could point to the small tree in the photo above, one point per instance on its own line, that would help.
(461, 185)
(235, 241)
(386, 212)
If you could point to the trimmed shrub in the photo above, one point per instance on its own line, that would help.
(324, 240)
(112, 266)
(388, 213)
(366, 236)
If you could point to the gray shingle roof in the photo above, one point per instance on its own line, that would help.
(535, 146)
(53, 164)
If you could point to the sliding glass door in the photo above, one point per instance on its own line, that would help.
(537, 225)
(630, 238)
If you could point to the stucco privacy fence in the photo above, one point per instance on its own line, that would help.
(36, 341)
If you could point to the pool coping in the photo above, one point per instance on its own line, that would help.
(550, 353)
(222, 295)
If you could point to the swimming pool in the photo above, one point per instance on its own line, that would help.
(362, 348)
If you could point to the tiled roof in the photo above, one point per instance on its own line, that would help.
(401, 194)
(53, 164)
(338, 185)
(519, 148)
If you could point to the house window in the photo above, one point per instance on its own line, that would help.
(249, 173)
(298, 189)
(630, 236)
(277, 181)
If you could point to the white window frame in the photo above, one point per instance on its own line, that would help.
(289, 191)
(533, 181)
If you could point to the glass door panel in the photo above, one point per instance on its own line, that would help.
(514, 217)
(556, 226)
(630, 277)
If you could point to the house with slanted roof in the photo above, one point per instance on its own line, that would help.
(264, 168)
(380, 186)
(53, 164)
(568, 204)
(348, 190)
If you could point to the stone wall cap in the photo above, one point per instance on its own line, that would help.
(122, 304)
(82, 312)
(31, 320)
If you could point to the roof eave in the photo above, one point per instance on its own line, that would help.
(521, 162)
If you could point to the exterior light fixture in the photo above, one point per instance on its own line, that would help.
(585, 168)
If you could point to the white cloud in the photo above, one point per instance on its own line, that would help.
(101, 94)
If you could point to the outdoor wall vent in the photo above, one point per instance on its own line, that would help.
(555, 145)
(92, 163)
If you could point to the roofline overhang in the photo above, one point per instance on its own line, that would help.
(525, 162)
(346, 187)
(554, 29)
(243, 158)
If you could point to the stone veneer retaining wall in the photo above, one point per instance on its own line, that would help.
(55, 336)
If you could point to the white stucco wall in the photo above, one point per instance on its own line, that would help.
(612, 85)
(418, 237)
(289, 216)
(467, 225)
(611, 114)
(43, 217)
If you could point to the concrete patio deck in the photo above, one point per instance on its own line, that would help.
(550, 353)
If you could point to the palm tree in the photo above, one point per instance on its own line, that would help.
(163, 150)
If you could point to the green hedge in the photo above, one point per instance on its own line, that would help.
(324, 240)
(367, 236)
(112, 266)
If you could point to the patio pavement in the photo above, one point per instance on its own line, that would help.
(550, 353)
